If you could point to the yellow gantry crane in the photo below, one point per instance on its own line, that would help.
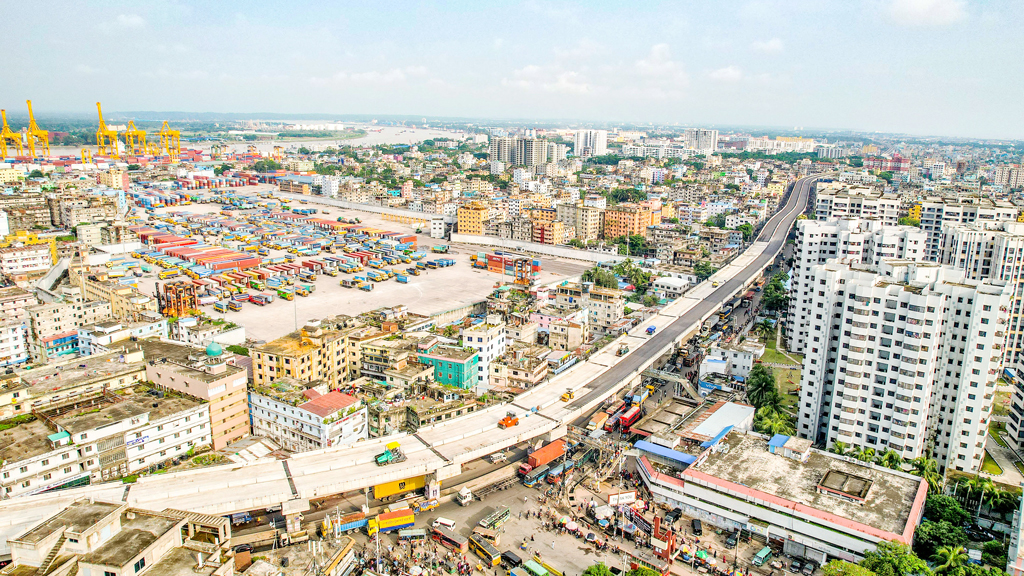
(106, 139)
(8, 136)
(170, 140)
(134, 140)
(36, 135)
(86, 156)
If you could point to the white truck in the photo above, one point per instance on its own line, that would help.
(464, 497)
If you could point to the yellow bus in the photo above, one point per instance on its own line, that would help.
(485, 550)
(168, 274)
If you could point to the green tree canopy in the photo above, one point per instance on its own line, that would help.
(703, 271)
(601, 277)
(908, 221)
(942, 508)
(761, 388)
(598, 569)
(266, 165)
(894, 559)
(748, 231)
(844, 568)
(642, 572)
(930, 536)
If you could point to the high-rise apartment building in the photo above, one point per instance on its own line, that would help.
(519, 151)
(585, 219)
(471, 218)
(628, 219)
(902, 356)
(850, 240)
(589, 143)
(936, 213)
(700, 139)
(992, 250)
(856, 202)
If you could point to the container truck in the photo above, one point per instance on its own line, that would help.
(402, 279)
(546, 454)
(597, 422)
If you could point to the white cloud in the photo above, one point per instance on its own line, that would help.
(391, 76)
(927, 12)
(86, 69)
(773, 46)
(727, 74)
(548, 79)
(130, 21)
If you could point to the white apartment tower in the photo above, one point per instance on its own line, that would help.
(856, 202)
(902, 356)
(850, 240)
(937, 213)
(590, 143)
(992, 250)
(700, 139)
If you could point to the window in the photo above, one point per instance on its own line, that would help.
(140, 564)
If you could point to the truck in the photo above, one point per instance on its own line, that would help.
(412, 271)
(285, 294)
(508, 421)
(622, 351)
(650, 330)
(391, 521)
(640, 396)
(366, 287)
(401, 279)
(221, 307)
(425, 505)
(546, 454)
(234, 305)
(464, 497)
(391, 455)
(569, 395)
(597, 422)
(440, 249)
(260, 299)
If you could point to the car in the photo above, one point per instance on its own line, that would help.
(809, 568)
(730, 540)
(696, 527)
(243, 548)
(796, 565)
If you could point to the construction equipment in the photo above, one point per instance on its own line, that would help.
(86, 156)
(508, 421)
(569, 395)
(9, 136)
(622, 351)
(170, 140)
(106, 139)
(278, 153)
(36, 135)
(392, 455)
(134, 140)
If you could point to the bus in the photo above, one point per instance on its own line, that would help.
(168, 274)
(534, 569)
(612, 423)
(629, 418)
(450, 539)
(644, 559)
(535, 475)
(412, 535)
(495, 519)
(487, 534)
(484, 550)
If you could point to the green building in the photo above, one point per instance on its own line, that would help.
(453, 366)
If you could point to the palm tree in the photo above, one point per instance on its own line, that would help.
(865, 455)
(761, 389)
(764, 329)
(1003, 501)
(928, 469)
(840, 447)
(891, 459)
(949, 559)
(982, 487)
(774, 422)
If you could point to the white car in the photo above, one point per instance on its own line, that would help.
(499, 457)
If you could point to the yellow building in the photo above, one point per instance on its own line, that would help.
(112, 178)
(9, 175)
(321, 350)
(26, 238)
(126, 303)
(626, 220)
(915, 212)
(471, 218)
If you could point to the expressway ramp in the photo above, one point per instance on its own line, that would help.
(471, 438)
(220, 490)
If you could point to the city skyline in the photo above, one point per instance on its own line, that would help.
(897, 66)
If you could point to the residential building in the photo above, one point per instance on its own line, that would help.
(589, 143)
(457, 367)
(780, 489)
(902, 356)
(302, 416)
(472, 218)
(208, 376)
(586, 220)
(852, 240)
(995, 251)
(54, 326)
(627, 220)
(937, 213)
(422, 405)
(113, 178)
(700, 139)
(14, 325)
(23, 260)
(566, 335)
(555, 233)
(99, 338)
(92, 537)
(855, 202)
(126, 302)
(736, 360)
(488, 339)
(314, 353)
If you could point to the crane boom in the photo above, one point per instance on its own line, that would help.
(36, 135)
(9, 136)
(106, 139)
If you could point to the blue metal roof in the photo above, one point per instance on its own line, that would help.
(715, 440)
(668, 453)
(778, 441)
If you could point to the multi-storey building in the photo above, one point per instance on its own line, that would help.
(555, 233)
(472, 218)
(590, 143)
(626, 220)
(208, 376)
(856, 202)
(992, 250)
(850, 240)
(21, 260)
(14, 325)
(54, 326)
(701, 140)
(457, 367)
(126, 302)
(311, 354)
(937, 213)
(100, 337)
(303, 416)
(585, 219)
(488, 339)
(902, 356)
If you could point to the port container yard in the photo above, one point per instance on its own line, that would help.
(281, 255)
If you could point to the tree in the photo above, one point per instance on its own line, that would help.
(865, 455)
(994, 553)
(601, 277)
(765, 329)
(982, 487)
(942, 508)
(887, 176)
(761, 388)
(908, 221)
(775, 297)
(266, 165)
(642, 572)
(930, 536)
(703, 271)
(222, 169)
(891, 459)
(134, 167)
(929, 470)
(893, 559)
(598, 569)
(748, 231)
(844, 568)
(772, 421)
(949, 559)
(36, 174)
(304, 150)
(576, 243)
(840, 447)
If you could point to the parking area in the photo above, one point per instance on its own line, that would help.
(431, 292)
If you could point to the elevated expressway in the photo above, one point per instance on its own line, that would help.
(440, 449)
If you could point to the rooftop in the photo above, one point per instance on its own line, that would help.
(136, 402)
(136, 534)
(453, 352)
(77, 517)
(77, 371)
(746, 461)
(180, 562)
(330, 403)
(186, 360)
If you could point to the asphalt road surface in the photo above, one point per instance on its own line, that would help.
(774, 232)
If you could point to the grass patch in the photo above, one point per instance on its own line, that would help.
(775, 357)
(16, 421)
(1001, 404)
(989, 466)
(242, 350)
(1019, 466)
(994, 428)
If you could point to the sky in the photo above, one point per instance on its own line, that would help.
(927, 67)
